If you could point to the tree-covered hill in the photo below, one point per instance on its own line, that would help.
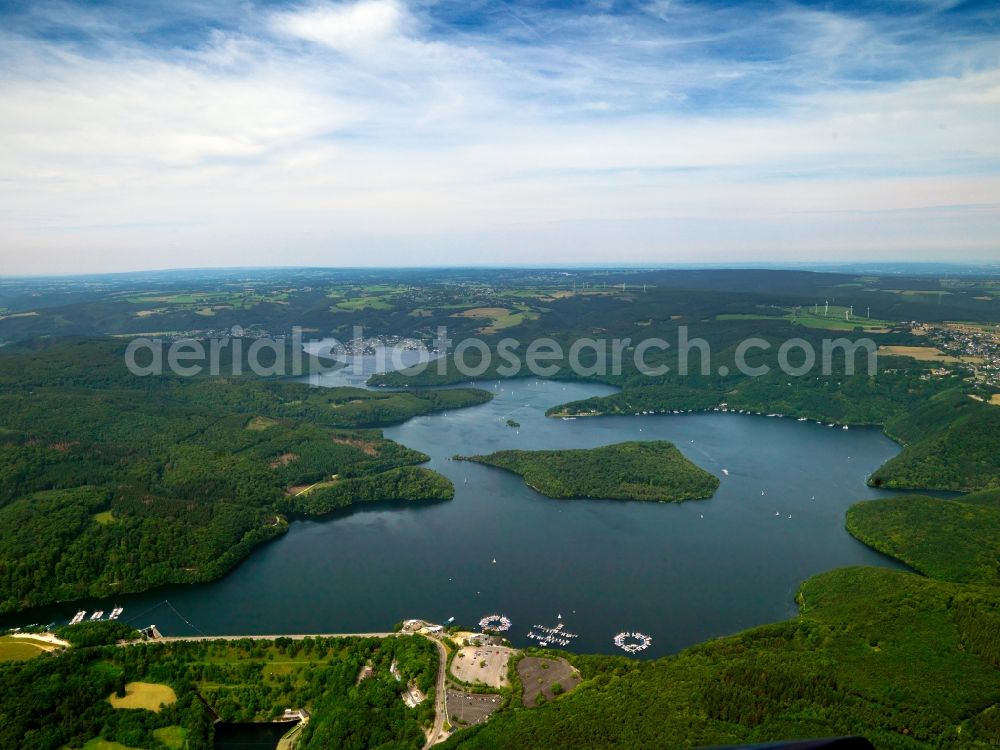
(653, 470)
(113, 483)
(952, 540)
(905, 661)
(64, 701)
(951, 442)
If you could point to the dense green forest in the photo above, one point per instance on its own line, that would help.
(404, 483)
(111, 483)
(952, 442)
(52, 702)
(905, 661)
(653, 470)
(953, 540)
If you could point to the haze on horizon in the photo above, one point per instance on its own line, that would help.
(414, 132)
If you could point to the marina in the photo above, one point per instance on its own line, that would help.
(495, 623)
(633, 642)
(544, 635)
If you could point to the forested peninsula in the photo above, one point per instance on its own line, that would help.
(111, 483)
(653, 470)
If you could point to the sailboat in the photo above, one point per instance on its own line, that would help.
(494, 561)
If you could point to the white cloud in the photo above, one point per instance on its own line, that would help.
(348, 27)
(358, 124)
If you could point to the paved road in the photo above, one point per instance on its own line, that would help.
(440, 698)
(294, 637)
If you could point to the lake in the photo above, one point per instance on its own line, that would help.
(678, 572)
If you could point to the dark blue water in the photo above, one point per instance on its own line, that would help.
(679, 572)
(261, 736)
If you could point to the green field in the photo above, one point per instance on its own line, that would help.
(19, 649)
(148, 695)
(99, 743)
(834, 319)
(355, 304)
(172, 737)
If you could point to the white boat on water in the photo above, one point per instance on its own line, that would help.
(97, 615)
(78, 617)
(116, 613)
(726, 472)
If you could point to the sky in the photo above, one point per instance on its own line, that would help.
(139, 135)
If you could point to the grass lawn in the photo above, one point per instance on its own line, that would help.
(99, 743)
(259, 424)
(172, 737)
(834, 320)
(19, 649)
(500, 317)
(363, 303)
(148, 695)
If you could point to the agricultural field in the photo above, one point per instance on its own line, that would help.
(835, 318)
(921, 353)
(148, 695)
(19, 649)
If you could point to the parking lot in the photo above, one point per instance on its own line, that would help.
(482, 664)
(468, 708)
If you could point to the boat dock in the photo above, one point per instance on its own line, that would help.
(546, 635)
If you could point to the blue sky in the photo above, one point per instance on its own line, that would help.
(387, 132)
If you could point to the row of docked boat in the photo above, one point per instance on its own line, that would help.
(95, 616)
(546, 635)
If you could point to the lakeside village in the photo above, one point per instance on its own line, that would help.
(978, 345)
